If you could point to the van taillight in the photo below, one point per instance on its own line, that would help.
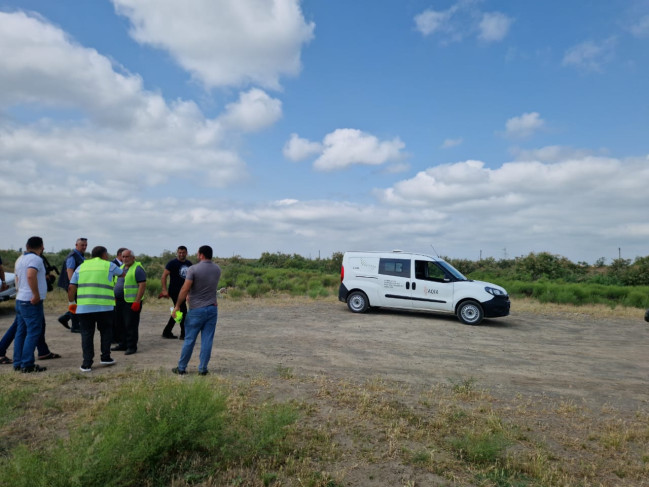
(342, 273)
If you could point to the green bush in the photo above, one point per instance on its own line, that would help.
(152, 430)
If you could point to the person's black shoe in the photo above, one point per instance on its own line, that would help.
(118, 348)
(130, 351)
(181, 337)
(33, 368)
(75, 330)
(203, 372)
(169, 335)
(176, 370)
(64, 318)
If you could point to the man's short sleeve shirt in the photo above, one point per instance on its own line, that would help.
(30, 261)
(205, 281)
(177, 274)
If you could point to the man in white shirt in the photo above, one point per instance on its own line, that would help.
(32, 289)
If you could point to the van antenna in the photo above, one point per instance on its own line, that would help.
(431, 246)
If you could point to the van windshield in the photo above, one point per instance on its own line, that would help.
(452, 270)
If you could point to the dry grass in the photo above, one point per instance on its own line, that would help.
(378, 432)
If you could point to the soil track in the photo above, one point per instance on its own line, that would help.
(564, 356)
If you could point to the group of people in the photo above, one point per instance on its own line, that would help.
(108, 296)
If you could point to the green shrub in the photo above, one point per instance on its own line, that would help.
(153, 430)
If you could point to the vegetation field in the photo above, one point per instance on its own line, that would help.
(544, 277)
(304, 393)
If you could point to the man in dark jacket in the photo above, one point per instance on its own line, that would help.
(73, 260)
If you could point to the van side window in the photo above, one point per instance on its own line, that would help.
(429, 271)
(395, 267)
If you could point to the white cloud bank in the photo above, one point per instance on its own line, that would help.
(104, 121)
(224, 43)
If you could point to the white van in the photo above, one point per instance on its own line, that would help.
(11, 291)
(417, 282)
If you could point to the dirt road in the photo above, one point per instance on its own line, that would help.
(572, 356)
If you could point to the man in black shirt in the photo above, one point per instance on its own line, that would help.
(176, 270)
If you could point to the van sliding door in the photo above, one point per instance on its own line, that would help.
(395, 287)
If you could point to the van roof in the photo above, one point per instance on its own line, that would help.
(395, 251)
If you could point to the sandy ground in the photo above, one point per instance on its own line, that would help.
(567, 356)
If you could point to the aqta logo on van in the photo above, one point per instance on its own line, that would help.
(430, 291)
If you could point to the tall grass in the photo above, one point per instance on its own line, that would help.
(152, 430)
(580, 294)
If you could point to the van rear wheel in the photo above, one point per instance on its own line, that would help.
(470, 313)
(357, 302)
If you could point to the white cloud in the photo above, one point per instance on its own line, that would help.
(640, 28)
(494, 26)
(299, 149)
(569, 204)
(430, 21)
(448, 143)
(109, 124)
(254, 110)
(345, 147)
(590, 55)
(42, 65)
(571, 207)
(524, 125)
(551, 153)
(463, 19)
(224, 42)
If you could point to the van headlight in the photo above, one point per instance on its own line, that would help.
(494, 291)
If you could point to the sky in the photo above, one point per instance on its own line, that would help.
(462, 128)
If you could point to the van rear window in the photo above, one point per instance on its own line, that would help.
(395, 267)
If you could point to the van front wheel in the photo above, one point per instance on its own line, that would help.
(470, 313)
(357, 302)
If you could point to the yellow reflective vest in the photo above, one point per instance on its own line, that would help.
(94, 287)
(130, 284)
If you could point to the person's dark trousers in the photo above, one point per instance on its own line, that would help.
(170, 324)
(74, 323)
(10, 334)
(132, 324)
(104, 323)
(119, 325)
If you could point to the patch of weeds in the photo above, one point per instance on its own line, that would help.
(15, 394)
(285, 372)
(463, 386)
(502, 477)
(269, 478)
(235, 293)
(480, 449)
(418, 457)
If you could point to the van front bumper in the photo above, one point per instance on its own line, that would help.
(496, 307)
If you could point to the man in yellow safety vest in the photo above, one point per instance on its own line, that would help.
(129, 293)
(92, 285)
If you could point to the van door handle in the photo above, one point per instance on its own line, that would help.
(414, 286)
(407, 285)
